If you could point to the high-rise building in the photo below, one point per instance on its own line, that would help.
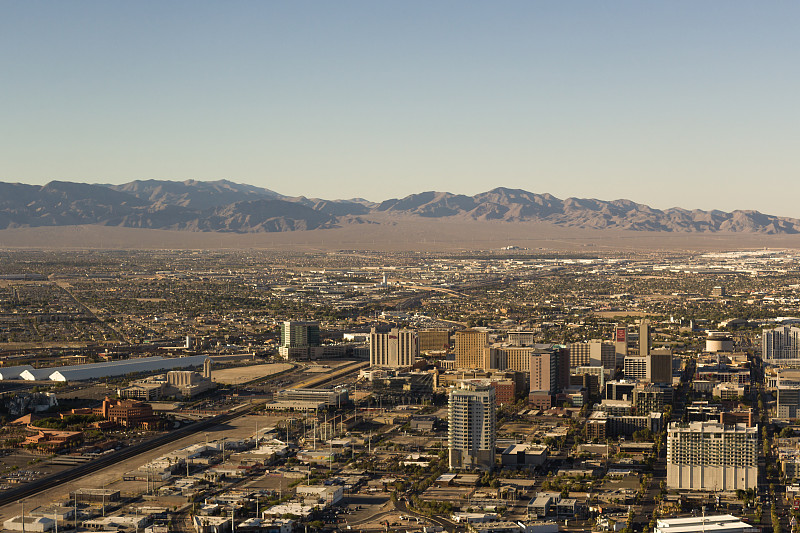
(711, 456)
(298, 338)
(544, 372)
(788, 401)
(659, 366)
(472, 425)
(651, 398)
(470, 348)
(620, 343)
(295, 333)
(619, 390)
(549, 369)
(635, 367)
(521, 338)
(644, 338)
(593, 378)
(516, 358)
(656, 367)
(433, 340)
(592, 353)
(780, 343)
(396, 349)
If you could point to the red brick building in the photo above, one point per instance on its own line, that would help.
(127, 413)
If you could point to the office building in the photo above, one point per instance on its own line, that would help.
(645, 341)
(470, 349)
(472, 420)
(719, 341)
(602, 425)
(399, 348)
(127, 413)
(659, 366)
(656, 367)
(635, 367)
(711, 456)
(593, 378)
(298, 338)
(549, 369)
(296, 333)
(780, 343)
(718, 291)
(788, 401)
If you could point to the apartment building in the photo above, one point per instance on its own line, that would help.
(712, 456)
(780, 343)
(472, 425)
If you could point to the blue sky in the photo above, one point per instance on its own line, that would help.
(679, 103)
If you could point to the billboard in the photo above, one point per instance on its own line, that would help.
(622, 334)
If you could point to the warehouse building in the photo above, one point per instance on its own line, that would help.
(13, 372)
(112, 368)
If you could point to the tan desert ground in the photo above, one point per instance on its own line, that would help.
(390, 233)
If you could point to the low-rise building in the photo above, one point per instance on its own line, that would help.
(707, 524)
(29, 523)
(524, 455)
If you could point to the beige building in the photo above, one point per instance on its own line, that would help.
(471, 349)
(398, 348)
(504, 357)
(645, 341)
(711, 456)
(592, 353)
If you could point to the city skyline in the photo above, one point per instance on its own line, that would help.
(668, 104)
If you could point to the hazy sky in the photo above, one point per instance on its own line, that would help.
(673, 103)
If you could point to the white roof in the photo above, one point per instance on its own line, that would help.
(120, 368)
(725, 523)
(13, 372)
(36, 374)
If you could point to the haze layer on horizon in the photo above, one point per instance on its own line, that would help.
(666, 103)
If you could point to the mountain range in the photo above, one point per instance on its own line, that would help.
(224, 206)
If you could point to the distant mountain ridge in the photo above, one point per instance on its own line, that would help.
(224, 206)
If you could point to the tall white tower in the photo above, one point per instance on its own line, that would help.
(472, 433)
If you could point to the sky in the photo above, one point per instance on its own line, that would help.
(667, 103)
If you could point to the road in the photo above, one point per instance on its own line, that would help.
(51, 488)
(438, 520)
